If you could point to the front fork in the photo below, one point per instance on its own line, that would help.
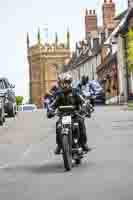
(72, 132)
(76, 134)
(62, 130)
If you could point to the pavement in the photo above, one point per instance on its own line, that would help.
(29, 170)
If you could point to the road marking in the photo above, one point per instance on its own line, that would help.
(23, 156)
(4, 166)
(27, 151)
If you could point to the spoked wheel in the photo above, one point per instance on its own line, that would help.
(67, 153)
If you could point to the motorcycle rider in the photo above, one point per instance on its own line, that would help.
(68, 96)
(91, 89)
(87, 88)
(83, 82)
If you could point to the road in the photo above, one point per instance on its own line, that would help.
(29, 170)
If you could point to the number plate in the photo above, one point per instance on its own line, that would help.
(66, 120)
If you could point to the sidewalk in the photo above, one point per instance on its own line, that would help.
(122, 106)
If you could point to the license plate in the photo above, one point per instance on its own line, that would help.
(66, 120)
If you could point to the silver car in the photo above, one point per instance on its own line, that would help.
(6, 89)
(2, 112)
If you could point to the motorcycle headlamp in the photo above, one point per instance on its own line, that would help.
(6, 96)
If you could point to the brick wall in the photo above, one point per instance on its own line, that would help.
(90, 21)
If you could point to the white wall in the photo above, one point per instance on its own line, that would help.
(132, 82)
(121, 66)
(89, 67)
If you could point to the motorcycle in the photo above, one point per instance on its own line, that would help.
(89, 98)
(70, 135)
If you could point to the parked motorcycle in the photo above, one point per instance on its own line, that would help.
(70, 134)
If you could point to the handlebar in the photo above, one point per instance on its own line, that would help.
(58, 113)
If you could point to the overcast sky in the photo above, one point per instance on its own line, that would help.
(17, 17)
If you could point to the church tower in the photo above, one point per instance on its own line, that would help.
(45, 62)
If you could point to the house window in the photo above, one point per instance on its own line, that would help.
(95, 42)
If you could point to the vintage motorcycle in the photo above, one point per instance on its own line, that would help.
(70, 135)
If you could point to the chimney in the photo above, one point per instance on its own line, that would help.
(86, 12)
(108, 12)
(130, 3)
(90, 22)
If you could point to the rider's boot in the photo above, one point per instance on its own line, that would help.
(57, 150)
(86, 148)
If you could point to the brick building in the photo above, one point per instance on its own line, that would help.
(86, 57)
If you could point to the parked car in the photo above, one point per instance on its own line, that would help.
(6, 89)
(2, 112)
(27, 108)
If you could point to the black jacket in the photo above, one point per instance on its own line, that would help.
(68, 97)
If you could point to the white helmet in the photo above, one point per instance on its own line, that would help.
(61, 77)
(67, 78)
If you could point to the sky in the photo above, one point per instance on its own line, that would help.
(17, 17)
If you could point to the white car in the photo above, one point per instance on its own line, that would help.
(27, 108)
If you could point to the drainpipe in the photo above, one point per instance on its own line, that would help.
(126, 72)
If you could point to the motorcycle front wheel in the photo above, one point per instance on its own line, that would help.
(67, 152)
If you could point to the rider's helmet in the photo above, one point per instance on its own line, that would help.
(67, 79)
(60, 80)
(83, 80)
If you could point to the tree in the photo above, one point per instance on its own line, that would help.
(130, 49)
(19, 100)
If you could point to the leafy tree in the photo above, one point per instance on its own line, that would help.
(130, 49)
(19, 100)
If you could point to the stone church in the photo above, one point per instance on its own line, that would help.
(46, 61)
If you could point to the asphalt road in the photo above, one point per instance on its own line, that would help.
(29, 170)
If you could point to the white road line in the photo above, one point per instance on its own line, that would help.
(24, 155)
(4, 166)
(27, 151)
